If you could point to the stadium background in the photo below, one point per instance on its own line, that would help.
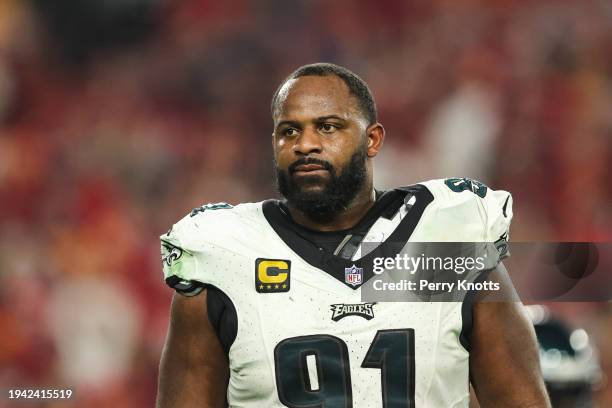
(118, 117)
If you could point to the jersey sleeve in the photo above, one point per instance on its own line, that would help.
(487, 213)
(179, 253)
(498, 210)
(191, 243)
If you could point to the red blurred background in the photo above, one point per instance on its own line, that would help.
(119, 117)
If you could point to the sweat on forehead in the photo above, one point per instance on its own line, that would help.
(319, 95)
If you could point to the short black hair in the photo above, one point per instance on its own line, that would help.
(355, 84)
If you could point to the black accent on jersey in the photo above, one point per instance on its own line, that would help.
(184, 287)
(172, 281)
(293, 234)
(336, 241)
(467, 312)
(505, 206)
(347, 248)
(393, 207)
(222, 315)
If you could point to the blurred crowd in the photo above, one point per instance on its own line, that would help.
(119, 117)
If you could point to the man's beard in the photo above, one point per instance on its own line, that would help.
(324, 205)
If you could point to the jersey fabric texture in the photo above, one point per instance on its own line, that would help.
(297, 333)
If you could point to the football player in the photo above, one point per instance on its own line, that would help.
(268, 310)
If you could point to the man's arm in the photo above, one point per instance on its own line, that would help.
(504, 360)
(194, 369)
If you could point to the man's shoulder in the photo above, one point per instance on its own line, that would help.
(214, 232)
(214, 220)
(446, 188)
(223, 212)
(462, 201)
(462, 189)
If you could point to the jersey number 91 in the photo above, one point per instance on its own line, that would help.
(391, 351)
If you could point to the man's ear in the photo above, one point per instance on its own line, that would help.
(376, 136)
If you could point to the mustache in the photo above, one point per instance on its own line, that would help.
(310, 160)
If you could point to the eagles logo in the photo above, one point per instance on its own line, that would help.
(170, 253)
(502, 245)
(340, 310)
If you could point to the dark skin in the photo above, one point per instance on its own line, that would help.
(504, 360)
(318, 117)
(193, 370)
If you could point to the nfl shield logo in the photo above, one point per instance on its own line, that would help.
(353, 275)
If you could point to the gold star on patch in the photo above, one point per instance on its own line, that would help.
(284, 286)
(260, 286)
(275, 286)
(269, 287)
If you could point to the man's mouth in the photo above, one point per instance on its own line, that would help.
(309, 169)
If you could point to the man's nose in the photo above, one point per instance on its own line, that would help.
(309, 141)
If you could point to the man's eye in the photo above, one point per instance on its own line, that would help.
(290, 132)
(328, 127)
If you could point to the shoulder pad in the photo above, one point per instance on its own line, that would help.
(493, 207)
(200, 225)
(182, 242)
(199, 235)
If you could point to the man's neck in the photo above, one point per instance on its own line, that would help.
(345, 220)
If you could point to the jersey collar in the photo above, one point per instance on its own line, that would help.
(335, 265)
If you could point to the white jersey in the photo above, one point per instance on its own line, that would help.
(304, 338)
